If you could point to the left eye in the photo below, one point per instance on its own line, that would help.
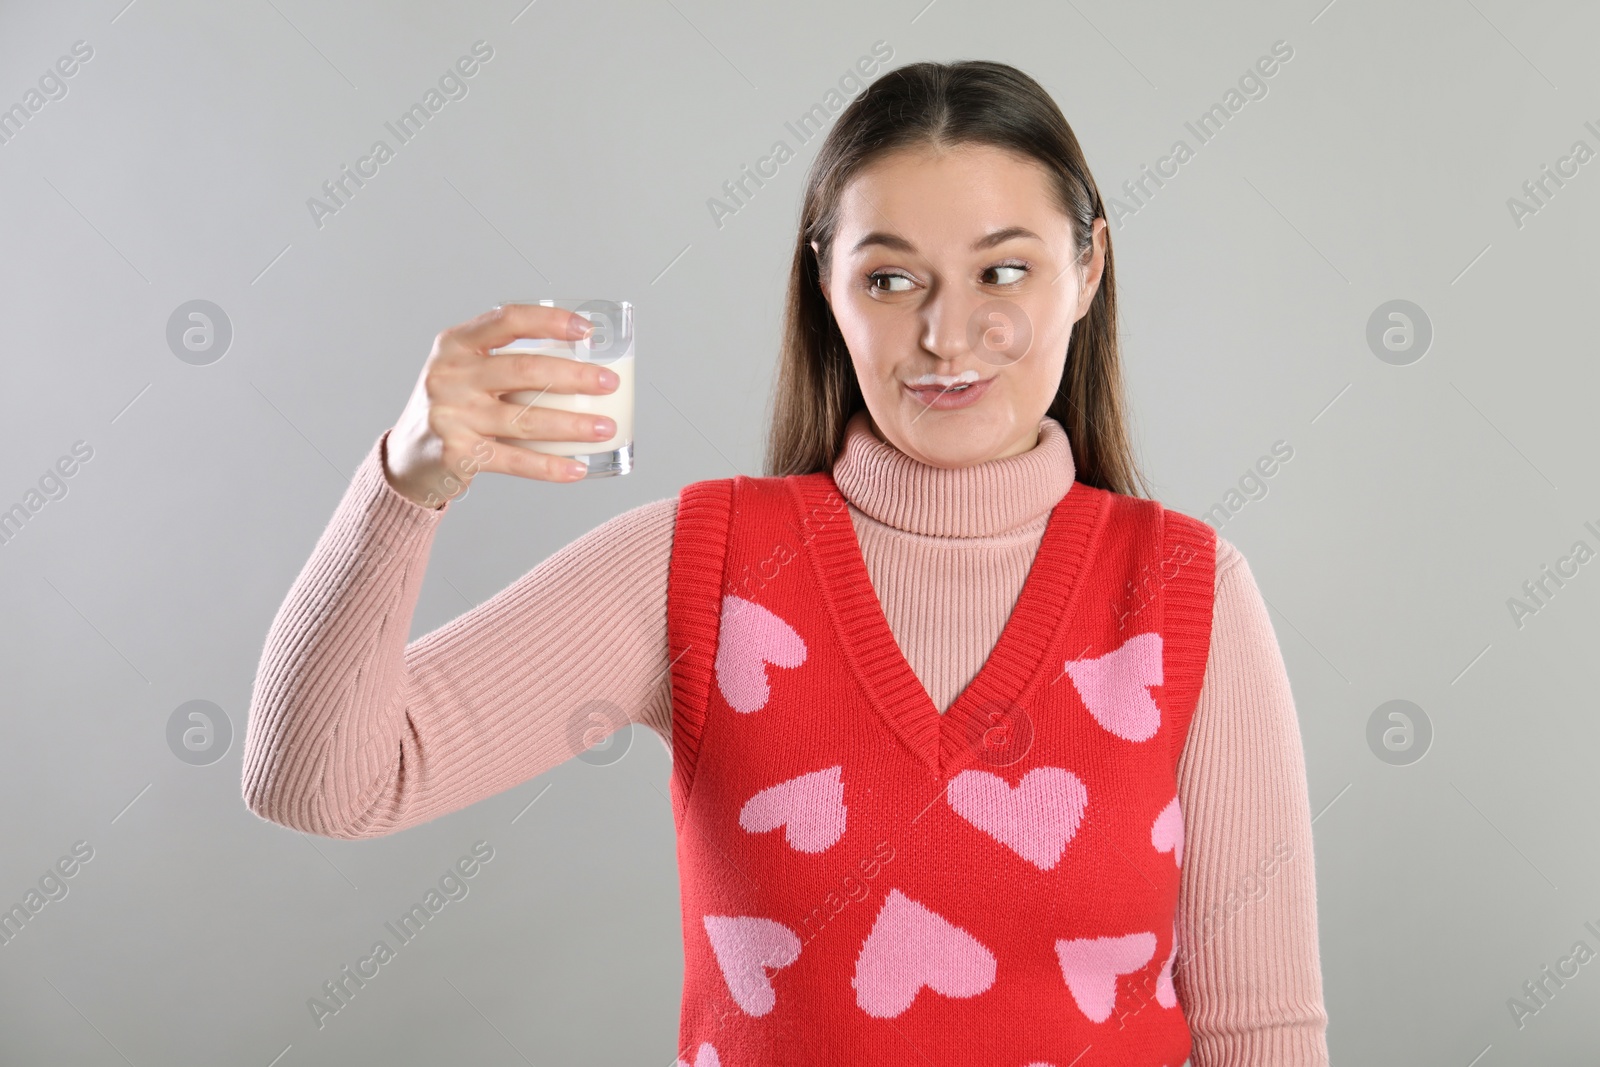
(1010, 266)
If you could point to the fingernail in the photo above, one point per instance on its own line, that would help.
(605, 426)
(582, 326)
(577, 470)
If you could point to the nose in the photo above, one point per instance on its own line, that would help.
(946, 322)
(993, 330)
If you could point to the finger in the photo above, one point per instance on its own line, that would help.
(504, 324)
(510, 371)
(534, 422)
(507, 458)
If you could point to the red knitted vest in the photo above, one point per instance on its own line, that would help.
(868, 881)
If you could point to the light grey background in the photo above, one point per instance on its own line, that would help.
(1418, 500)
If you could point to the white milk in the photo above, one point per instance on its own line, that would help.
(616, 405)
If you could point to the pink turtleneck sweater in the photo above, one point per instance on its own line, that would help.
(355, 733)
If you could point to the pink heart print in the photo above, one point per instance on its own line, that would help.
(1166, 992)
(1166, 833)
(1091, 966)
(745, 945)
(750, 637)
(911, 947)
(810, 808)
(1115, 687)
(1035, 820)
(705, 1056)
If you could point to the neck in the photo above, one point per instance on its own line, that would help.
(982, 500)
(1032, 440)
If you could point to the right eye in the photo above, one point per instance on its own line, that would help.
(878, 276)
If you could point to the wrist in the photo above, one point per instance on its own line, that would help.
(422, 495)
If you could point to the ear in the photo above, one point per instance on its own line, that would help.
(1095, 269)
(822, 283)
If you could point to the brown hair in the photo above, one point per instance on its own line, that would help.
(944, 105)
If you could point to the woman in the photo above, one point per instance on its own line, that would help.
(1003, 769)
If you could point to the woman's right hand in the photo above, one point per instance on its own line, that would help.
(447, 432)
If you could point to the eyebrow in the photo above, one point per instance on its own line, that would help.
(900, 244)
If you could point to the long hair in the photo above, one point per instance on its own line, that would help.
(944, 105)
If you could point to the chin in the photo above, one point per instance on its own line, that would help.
(954, 442)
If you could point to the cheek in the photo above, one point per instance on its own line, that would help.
(1040, 375)
(871, 341)
(1032, 381)
(1045, 362)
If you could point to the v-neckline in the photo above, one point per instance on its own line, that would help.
(946, 742)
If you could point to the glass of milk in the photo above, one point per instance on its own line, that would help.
(611, 344)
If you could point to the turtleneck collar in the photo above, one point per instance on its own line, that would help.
(978, 501)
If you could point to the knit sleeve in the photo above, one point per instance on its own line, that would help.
(354, 733)
(1249, 969)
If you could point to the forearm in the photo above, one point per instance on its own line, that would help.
(1248, 971)
(355, 733)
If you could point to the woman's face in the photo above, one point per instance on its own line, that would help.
(953, 283)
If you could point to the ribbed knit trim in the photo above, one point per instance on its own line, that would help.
(977, 501)
(947, 742)
(694, 614)
(1188, 593)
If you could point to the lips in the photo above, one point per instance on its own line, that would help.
(948, 397)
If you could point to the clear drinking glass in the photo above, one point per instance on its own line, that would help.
(611, 344)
